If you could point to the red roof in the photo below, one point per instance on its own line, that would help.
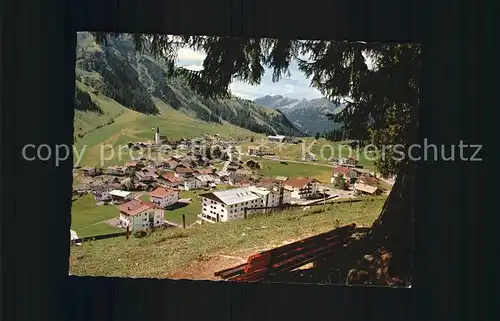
(299, 182)
(168, 174)
(342, 170)
(135, 207)
(173, 179)
(162, 192)
(367, 180)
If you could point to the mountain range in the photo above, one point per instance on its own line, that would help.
(114, 78)
(309, 116)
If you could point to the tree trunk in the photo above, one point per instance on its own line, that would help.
(392, 231)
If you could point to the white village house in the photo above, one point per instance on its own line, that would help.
(192, 183)
(138, 215)
(276, 138)
(73, 237)
(274, 196)
(204, 180)
(253, 150)
(302, 188)
(309, 157)
(347, 173)
(119, 196)
(101, 193)
(164, 197)
(348, 161)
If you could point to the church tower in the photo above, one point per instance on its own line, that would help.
(157, 135)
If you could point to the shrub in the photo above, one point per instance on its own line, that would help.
(340, 182)
(140, 233)
(317, 211)
(178, 235)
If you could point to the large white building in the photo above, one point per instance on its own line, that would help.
(138, 215)
(230, 204)
(164, 197)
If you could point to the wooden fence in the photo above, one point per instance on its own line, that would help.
(98, 237)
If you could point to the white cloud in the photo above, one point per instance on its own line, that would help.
(296, 86)
(187, 54)
(194, 67)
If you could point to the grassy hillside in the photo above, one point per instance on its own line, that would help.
(86, 120)
(129, 125)
(90, 218)
(273, 168)
(166, 252)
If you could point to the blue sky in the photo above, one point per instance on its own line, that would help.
(296, 86)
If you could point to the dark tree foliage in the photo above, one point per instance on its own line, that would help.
(84, 102)
(381, 109)
(335, 135)
(340, 182)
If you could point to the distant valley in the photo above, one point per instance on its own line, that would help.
(309, 116)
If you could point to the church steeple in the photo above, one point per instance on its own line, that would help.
(157, 135)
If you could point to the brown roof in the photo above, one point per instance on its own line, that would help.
(204, 171)
(135, 207)
(183, 170)
(299, 182)
(367, 180)
(342, 170)
(244, 172)
(162, 192)
(366, 188)
(267, 180)
(131, 164)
